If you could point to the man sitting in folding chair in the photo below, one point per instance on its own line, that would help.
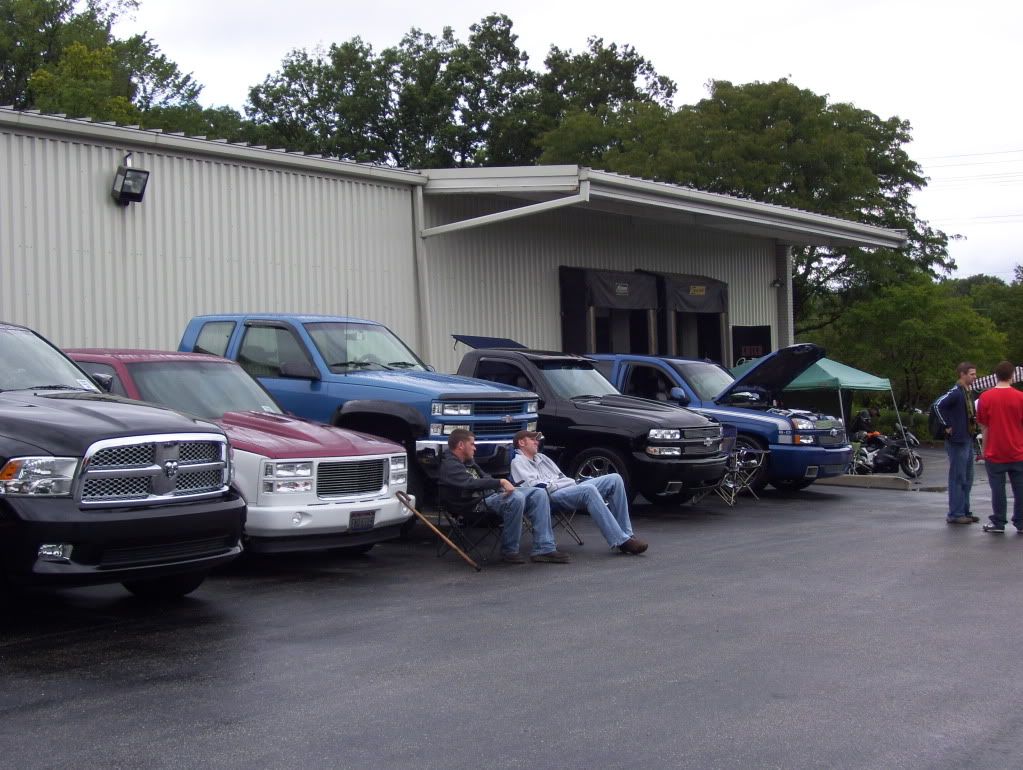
(536, 470)
(466, 488)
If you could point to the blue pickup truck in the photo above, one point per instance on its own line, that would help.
(359, 375)
(804, 446)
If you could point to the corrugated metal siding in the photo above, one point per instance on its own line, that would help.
(502, 280)
(211, 235)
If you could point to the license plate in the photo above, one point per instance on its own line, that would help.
(361, 520)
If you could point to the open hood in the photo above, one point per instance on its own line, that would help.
(769, 375)
(481, 343)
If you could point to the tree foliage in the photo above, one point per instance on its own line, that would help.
(437, 101)
(915, 334)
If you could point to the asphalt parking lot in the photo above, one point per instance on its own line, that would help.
(838, 627)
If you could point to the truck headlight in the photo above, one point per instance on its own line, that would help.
(399, 469)
(444, 409)
(449, 429)
(532, 407)
(39, 476)
(801, 423)
(288, 477)
(664, 434)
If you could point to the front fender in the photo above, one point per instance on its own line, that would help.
(372, 407)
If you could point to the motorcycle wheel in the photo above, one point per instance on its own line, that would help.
(912, 466)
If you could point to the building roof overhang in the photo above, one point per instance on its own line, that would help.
(545, 187)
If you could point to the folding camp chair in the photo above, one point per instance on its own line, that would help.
(560, 517)
(474, 529)
(740, 468)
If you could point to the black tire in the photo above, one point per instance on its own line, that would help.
(791, 485)
(601, 461)
(759, 480)
(170, 587)
(912, 466)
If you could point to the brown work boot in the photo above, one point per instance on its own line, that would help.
(633, 546)
(553, 557)
(512, 557)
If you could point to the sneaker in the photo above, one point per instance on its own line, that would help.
(553, 557)
(512, 557)
(995, 529)
(959, 520)
(633, 546)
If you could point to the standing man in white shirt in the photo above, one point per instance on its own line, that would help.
(532, 469)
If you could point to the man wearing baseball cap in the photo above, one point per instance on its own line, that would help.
(532, 469)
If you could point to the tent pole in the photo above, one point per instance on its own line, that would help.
(898, 417)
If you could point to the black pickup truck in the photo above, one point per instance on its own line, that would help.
(99, 489)
(663, 451)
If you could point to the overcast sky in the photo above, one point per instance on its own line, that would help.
(950, 68)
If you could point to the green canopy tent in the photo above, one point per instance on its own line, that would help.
(828, 375)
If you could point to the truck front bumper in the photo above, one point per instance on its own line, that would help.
(807, 462)
(111, 545)
(668, 476)
(323, 524)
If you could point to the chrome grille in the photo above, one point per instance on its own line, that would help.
(499, 407)
(350, 477)
(497, 428)
(116, 489)
(826, 439)
(702, 433)
(124, 456)
(153, 469)
(199, 452)
(188, 483)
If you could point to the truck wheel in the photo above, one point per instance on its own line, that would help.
(601, 461)
(170, 587)
(759, 480)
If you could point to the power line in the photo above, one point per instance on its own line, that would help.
(970, 154)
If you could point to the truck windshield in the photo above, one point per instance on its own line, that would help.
(348, 347)
(572, 380)
(205, 389)
(706, 379)
(30, 363)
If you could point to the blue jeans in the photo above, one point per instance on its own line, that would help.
(996, 473)
(612, 518)
(960, 477)
(534, 503)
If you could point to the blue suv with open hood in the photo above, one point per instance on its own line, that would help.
(804, 446)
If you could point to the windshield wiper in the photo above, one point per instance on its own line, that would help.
(584, 395)
(350, 364)
(402, 364)
(52, 387)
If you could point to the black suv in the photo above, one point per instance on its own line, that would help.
(99, 489)
(663, 451)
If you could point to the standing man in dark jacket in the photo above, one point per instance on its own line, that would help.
(956, 411)
(464, 486)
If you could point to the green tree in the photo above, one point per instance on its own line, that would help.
(80, 84)
(992, 298)
(914, 334)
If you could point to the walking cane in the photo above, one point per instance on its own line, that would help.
(405, 500)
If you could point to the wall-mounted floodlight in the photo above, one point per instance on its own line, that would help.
(129, 183)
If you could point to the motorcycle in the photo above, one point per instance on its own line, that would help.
(878, 453)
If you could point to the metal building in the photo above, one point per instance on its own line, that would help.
(495, 251)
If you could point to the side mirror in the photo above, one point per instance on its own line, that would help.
(299, 370)
(677, 394)
(105, 381)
